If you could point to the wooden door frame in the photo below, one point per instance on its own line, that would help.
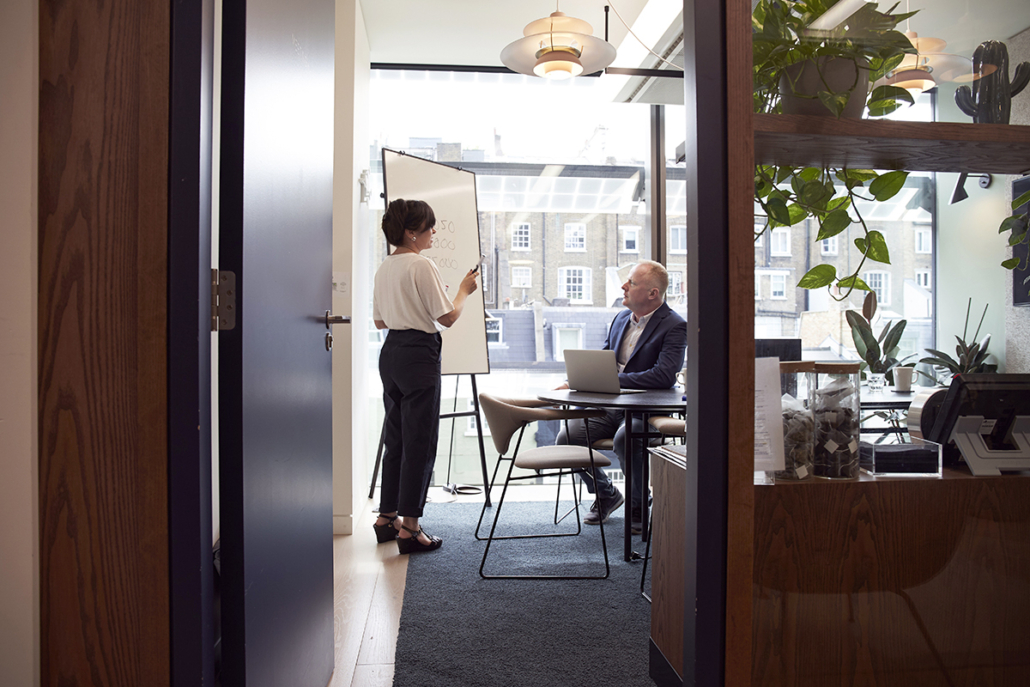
(124, 458)
(720, 343)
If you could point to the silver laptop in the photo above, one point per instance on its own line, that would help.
(594, 372)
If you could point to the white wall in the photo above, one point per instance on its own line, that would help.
(19, 526)
(350, 265)
(970, 252)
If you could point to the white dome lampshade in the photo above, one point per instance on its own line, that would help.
(558, 47)
(913, 79)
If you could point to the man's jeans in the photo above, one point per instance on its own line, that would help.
(609, 426)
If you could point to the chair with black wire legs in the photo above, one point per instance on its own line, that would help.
(505, 419)
(522, 403)
(600, 444)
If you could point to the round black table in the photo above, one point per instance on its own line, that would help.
(650, 402)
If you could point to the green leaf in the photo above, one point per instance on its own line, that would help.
(841, 203)
(1016, 238)
(1022, 200)
(814, 194)
(782, 173)
(894, 336)
(878, 248)
(810, 173)
(892, 93)
(880, 108)
(878, 68)
(833, 224)
(853, 282)
(872, 346)
(818, 276)
(861, 332)
(860, 243)
(861, 174)
(886, 99)
(777, 210)
(886, 186)
(1010, 264)
(834, 102)
(869, 306)
(797, 213)
(1015, 223)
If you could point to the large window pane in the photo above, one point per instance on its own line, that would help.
(562, 219)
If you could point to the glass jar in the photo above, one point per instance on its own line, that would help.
(797, 379)
(835, 406)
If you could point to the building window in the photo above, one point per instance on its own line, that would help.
(880, 283)
(520, 237)
(923, 279)
(758, 286)
(470, 427)
(675, 284)
(830, 246)
(630, 239)
(521, 277)
(778, 286)
(494, 330)
(566, 336)
(677, 239)
(574, 284)
(759, 230)
(779, 244)
(575, 238)
(924, 242)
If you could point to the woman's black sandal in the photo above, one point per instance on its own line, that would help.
(414, 545)
(386, 532)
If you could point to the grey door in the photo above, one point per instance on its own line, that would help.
(274, 369)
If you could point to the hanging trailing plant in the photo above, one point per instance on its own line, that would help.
(781, 38)
(1017, 226)
(790, 195)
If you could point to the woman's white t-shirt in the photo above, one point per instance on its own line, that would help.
(410, 294)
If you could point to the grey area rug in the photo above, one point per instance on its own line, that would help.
(459, 630)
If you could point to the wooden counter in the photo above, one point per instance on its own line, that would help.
(892, 582)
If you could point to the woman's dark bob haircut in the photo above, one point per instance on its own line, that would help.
(406, 217)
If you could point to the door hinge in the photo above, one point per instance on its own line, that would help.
(223, 300)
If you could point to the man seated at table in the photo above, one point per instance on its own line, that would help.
(649, 340)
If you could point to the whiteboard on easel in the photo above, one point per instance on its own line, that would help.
(451, 192)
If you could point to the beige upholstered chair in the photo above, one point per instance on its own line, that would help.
(670, 426)
(507, 417)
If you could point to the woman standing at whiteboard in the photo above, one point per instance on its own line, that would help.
(411, 301)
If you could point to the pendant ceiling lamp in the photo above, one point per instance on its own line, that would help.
(558, 47)
(929, 66)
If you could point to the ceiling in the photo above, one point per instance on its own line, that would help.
(473, 32)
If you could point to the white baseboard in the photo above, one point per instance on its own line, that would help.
(343, 524)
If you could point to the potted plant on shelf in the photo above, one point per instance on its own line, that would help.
(825, 53)
(879, 353)
(785, 34)
(970, 357)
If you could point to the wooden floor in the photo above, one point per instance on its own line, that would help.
(369, 591)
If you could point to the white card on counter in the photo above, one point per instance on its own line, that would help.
(768, 416)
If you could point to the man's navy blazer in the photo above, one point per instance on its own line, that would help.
(659, 352)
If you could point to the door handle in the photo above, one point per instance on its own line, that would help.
(331, 319)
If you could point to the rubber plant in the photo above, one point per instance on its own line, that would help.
(879, 353)
(781, 37)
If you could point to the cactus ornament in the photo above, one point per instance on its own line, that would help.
(990, 100)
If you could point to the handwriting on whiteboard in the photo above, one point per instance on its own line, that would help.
(442, 252)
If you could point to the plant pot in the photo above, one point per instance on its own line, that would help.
(831, 73)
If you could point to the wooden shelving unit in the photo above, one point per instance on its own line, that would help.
(871, 144)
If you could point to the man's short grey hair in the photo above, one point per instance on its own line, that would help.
(657, 275)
